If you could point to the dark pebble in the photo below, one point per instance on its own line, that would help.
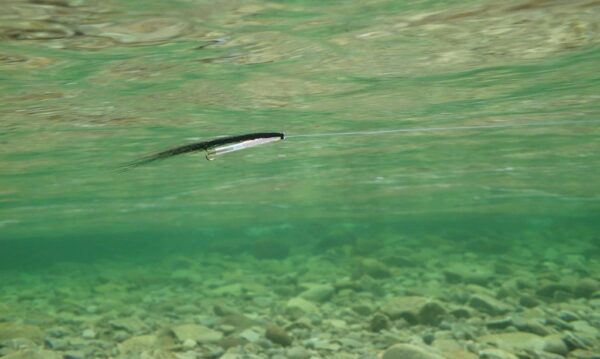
(559, 324)
(499, 323)
(562, 296)
(567, 316)
(278, 335)
(528, 301)
(549, 290)
(379, 322)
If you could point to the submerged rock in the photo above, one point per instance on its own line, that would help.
(583, 354)
(197, 333)
(415, 310)
(528, 301)
(550, 289)
(318, 293)
(34, 354)
(408, 351)
(574, 341)
(278, 335)
(496, 354)
(373, 268)
(468, 276)
(89, 334)
(502, 323)
(530, 326)
(138, 344)
(521, 341)
(238, 321)
(489, 305)
(299, 306)
(586, 287)
(451, 349)
(14, 330)
(297, 353)
(379, 322)
(131, 325)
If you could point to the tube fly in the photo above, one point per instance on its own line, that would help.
(216, 147)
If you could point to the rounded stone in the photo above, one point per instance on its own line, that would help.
(278, 335)
(297, 353)
(408, 351)
(318, 293)
(586, 287)
(89, 334)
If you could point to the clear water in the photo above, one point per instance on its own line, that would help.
(86, 86)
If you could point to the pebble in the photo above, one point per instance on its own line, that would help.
(137, 344)
(408, 351)
(131, 325)
(530, 326)
(238, 321)
(452, 349)
(56, 344)
(496, 354)
(362, 308)
(373, 268)
(317, 343)
(250, 335)
(517, 341)
(559, 324)
(379, 322)
(89, 334)
(299, 306)
(318, 293)
(348, 342)
(488, 305)
(574, 341)
(529, 301)
(502, 323)
(468, 276)
(226, 329)
(189, 343)
(58, 332)
(278, 335)
(297, 353)
(586, 287)
(550, 289)
(198, 333)
(10, 330)
(34, 354)
(583, 327)
(555, 344)
(583, 354)
(567, 316)
(414, 309)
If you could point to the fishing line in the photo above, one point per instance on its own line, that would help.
(222, 145)
(442, 129)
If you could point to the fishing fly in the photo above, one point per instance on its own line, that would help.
(215, 147)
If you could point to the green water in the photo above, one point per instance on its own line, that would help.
(87, 86)
(75, 107)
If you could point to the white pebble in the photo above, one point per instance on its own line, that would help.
(189, 343)
(89, 334)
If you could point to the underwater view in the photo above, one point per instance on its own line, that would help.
(301, 179)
